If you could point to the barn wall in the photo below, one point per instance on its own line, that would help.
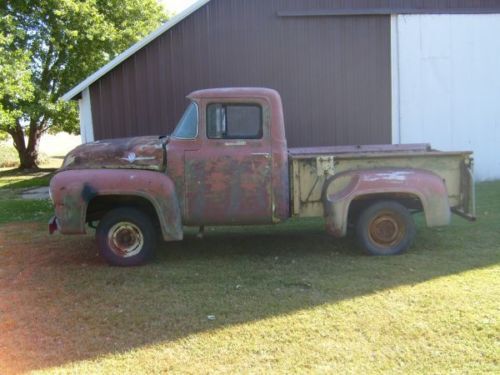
(449, 85)
(333, 72)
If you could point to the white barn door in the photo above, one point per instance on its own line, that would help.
(446, 85)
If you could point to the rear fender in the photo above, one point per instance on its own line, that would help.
(340, 190)
(72, 191)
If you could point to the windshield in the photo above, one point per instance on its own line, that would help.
(187, 128)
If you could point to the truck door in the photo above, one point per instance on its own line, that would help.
(228, 179)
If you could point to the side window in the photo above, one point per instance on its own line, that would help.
(234, 121)
(187, 128)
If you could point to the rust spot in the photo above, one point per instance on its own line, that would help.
(131, 153)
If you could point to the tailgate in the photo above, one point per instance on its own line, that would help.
(466, 205)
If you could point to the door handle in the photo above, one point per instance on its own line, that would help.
(235, 143)
(265, 154)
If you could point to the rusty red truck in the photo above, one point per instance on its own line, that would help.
(227, 163)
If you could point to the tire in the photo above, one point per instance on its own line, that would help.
(126, 237)
(385, 228)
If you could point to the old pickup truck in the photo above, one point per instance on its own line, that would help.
(227, 163)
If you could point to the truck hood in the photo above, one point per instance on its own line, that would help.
(127, 153)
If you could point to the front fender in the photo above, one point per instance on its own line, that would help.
(342, 189)
(72, 190)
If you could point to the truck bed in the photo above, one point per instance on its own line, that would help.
(310, 167)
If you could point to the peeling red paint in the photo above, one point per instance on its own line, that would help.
(71, 202)
(128, 153)
(228, 182)
(426, 186)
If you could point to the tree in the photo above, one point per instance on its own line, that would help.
(48, 46)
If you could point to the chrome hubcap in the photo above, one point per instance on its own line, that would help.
(125, 239)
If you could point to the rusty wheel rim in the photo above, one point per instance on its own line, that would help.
(125, 239)
(386, 230)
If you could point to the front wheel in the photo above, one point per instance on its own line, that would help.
(126, 237)
(385, 228)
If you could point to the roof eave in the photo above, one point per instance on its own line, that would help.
(71, 94)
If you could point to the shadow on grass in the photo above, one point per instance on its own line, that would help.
(66, 305)
(21, 179)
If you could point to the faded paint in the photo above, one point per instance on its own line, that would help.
(129, 153)
(73, 190)
(424, 185)
(298, 152)
(389, 176)
(233, 181)
(452, 167)
(221, 182)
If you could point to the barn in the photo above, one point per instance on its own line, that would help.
(349, 72)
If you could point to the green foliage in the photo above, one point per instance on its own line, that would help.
(16, 88)
(48, 46)
(3, 135)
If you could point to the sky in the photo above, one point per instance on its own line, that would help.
(176, 6)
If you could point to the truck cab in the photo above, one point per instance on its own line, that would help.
(228, 158)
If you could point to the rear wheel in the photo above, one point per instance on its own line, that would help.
(385, 228)
(126, 237)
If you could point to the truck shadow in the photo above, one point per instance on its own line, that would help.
(61, 304)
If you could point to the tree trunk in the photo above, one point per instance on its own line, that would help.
(28, 154)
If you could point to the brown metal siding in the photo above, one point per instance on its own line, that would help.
(395, 6)
(360, 7)
(332, 72)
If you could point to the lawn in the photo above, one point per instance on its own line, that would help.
(12, 183)
(255, 300)
(53, 149)
(17, 179)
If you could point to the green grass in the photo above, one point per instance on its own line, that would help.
(12, 180)
(285, 299)
(12, 210)
(17, 179)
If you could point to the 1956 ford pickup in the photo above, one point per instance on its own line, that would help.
(227, 163)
